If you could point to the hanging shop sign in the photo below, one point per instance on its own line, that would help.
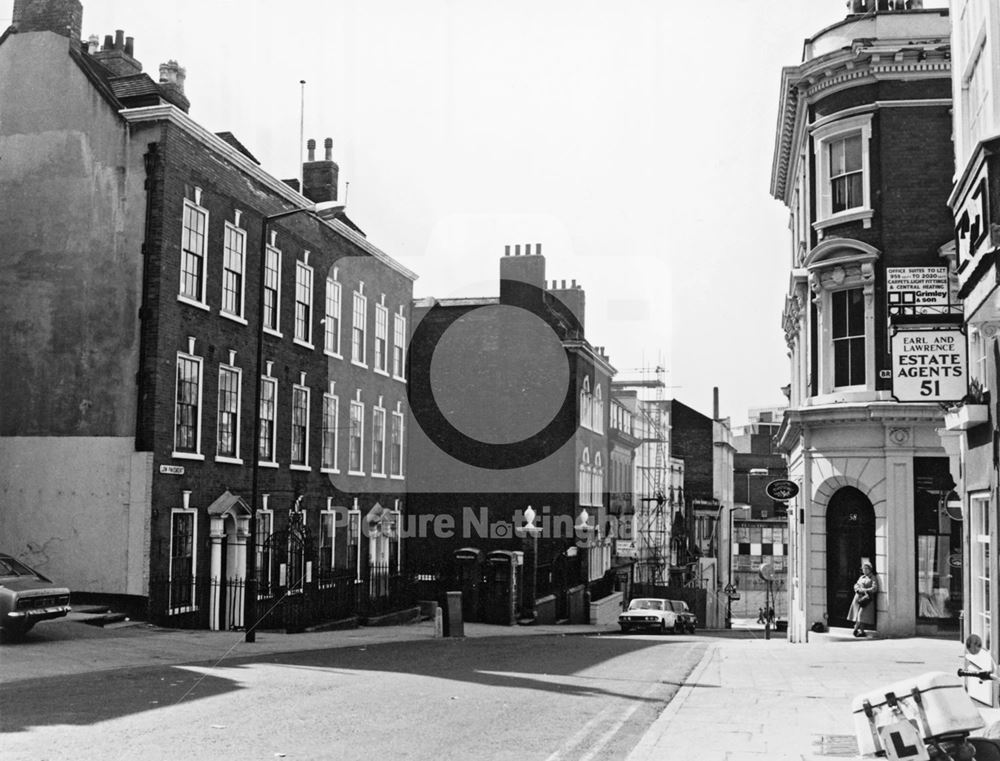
(782, 489)
(929, 364)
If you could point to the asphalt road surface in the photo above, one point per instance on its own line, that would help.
(544, 698)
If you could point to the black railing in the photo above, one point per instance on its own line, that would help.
(333, 595)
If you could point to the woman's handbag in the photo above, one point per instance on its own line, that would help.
(862, 599)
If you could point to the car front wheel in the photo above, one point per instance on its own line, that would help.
(625, 629)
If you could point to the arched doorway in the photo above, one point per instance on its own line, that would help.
(850, 537)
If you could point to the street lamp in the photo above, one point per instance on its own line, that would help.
(250, 603)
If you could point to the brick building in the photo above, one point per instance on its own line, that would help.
(510, 404)
(129, 314)
(863, 163)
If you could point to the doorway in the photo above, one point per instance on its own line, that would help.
(850, 538)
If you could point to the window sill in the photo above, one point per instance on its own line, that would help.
(304, 468)
(400, 378)
(273, 332)
(233, 317)
(187, 455)
(359, 364)
(356, 473)
(378, 475)
(381, 372)
(397, 478)
(843, 217)
(303, 344)
(845, 395)
(334, 354)
(193, 303)
(270, 464)
(335, 471)
(230, 460)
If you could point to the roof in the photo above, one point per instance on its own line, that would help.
(230, 138)
(225, 504)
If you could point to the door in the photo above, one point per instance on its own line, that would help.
(850, 537)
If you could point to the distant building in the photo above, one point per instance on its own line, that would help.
(758, 527)
(511, 405)
(863, 163)
(132, 242)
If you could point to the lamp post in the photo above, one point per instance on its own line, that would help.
(250, 601)
(529, 534)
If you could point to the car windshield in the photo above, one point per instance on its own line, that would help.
(11, 567)
(646, 605)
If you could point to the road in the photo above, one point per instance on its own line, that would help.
(550, 698)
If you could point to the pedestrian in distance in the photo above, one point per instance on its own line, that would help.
(862, 611)
(760, 615)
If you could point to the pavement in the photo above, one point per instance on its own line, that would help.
(748, 699)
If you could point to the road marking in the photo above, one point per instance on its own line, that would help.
(601, 718)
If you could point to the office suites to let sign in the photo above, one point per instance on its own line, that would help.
(929, 365)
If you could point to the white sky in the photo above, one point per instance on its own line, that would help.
(633, 139)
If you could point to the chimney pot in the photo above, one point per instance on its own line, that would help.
(328, 147)
(517, 250)
(573, 284)
(311, 147)
(564, 285)
(119, 39)
(527, 249)
(93, 44)
(129, 45)
(538, 249)
(108, 42)
(506, 250)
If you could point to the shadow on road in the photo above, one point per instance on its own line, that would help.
(550, 663)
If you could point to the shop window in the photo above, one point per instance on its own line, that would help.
(939, 542)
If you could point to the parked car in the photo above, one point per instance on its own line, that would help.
(653, 613)
(27, 597)
(686, 620)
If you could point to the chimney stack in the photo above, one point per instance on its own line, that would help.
(172, 78)
(117, 56)
(320, 178)
(63, 17)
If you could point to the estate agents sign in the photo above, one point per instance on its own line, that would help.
(929, 364)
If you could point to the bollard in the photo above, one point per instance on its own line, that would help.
(456, 627)
(438, 622)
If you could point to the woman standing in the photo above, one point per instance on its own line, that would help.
(862, 611)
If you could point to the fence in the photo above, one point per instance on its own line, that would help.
(203, 603)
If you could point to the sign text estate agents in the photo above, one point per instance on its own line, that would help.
(929, 365)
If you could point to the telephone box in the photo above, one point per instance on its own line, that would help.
(502, 570)
(469, 580)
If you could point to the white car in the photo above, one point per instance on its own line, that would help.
(649, 613)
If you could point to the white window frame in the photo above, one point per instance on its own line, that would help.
(194, 208)
(326, 466)
(982, 576)
(303, 298)
(234, 234)
(273, 462)
(397, 415)
(399, 347)
(356, 405)
(823, 137)
(597, 490)
(236, 459)
(586, 413)
(359, 308)
(299, 388)
(199, 362)
(378, 413)
(830, 346)
(598, 409)
(327, 514)
(584, 477)
(333, 306)
(380, 361)
(275, 329)
(174, 512)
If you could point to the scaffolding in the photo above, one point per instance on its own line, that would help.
(653, 512)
